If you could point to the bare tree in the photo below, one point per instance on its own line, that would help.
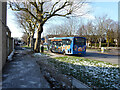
(81, 30)
(45, 9)
(86, 30)
(60, 29)
(100, 27)
(24, 38)
(23, 24)
(29, 25)
(95, 36)
(72, 25)
(109, 26)
(116, 33)
(89, 28)
(68, 28)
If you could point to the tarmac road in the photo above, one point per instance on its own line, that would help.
(114, 59)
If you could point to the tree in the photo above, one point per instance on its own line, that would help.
(45, 9)
(72, 25)
(86, 30)
(24, 38)
(68, 28)
(29, 24)
(95, 36)
(81, 29)
(109, 27)
(116, 33)
(25, 26)
(100, 27)
(89, 28)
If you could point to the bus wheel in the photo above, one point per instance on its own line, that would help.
(51, 51)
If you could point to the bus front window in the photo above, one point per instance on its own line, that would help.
(79, 41)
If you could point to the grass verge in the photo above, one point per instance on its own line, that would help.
(25, 46)
(96, 74)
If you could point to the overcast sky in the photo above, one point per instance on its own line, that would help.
(97, 9)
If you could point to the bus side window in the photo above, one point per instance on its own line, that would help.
(60, 43)
(57, 43)
(68, 42)
(54, 43)
(63, 42)
(51, 43)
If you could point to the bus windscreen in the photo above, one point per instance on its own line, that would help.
(79, 41)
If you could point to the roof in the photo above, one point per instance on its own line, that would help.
(52, 36)
(64, 38)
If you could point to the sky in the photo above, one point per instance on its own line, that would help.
(109, 8)
(97, 9)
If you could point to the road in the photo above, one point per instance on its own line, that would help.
(114, 59)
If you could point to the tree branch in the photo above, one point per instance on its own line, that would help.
(21, 9)
(64, 5)
(54, 6)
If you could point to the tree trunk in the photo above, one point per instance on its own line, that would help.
(108, 44)
(118, 42)
(91, 43)
(32, 41)
(100, 43)
(28, 40)
(38, 39)
(95, 44)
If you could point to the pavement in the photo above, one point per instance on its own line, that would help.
(23, 72)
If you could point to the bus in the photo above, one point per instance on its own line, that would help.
(68, 45)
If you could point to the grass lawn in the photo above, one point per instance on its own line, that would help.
(27, 47)
(45, 49)
(96, 74)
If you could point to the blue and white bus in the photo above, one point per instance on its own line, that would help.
(68, 45)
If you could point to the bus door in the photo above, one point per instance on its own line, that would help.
(67, 46)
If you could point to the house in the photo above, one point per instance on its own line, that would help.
(6, 41)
